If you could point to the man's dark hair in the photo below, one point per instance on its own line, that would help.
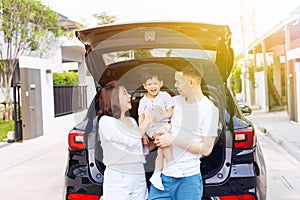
(189, 70)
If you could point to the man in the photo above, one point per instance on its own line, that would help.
(194, 129)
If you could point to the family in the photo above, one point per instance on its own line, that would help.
(183, 128)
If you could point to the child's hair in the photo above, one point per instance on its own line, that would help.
(149, 75)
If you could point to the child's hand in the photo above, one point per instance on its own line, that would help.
(145, 140)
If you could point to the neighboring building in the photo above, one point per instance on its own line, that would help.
(282, 43)
(65, 53)
(36, 93)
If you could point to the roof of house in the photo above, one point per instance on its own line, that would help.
(70, 24)
(276, 35)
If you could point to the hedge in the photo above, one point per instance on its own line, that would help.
(65, 78)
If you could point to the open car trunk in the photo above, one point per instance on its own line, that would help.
(125, 52)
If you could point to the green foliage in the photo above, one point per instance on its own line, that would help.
(65, 78)
(25, 26)
(142, 53)
(235, 81)
(169, 53)
(25, 22)
(6, 126)
(104, 18)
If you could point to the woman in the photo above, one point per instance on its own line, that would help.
(123, 152)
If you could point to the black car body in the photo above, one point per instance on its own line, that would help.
(234, 170)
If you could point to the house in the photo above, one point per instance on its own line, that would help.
(282, 44)
(34, 94)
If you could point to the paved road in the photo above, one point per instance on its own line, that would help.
(34, 169)
(283, 170)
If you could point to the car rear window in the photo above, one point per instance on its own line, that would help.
(119, 56)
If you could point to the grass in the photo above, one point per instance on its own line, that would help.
(5, 126)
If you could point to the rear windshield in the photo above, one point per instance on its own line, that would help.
(119, 56)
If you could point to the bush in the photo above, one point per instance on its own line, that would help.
(6, 126)
(236, 81)
(65, 78)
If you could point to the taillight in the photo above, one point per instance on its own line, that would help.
(238, 197)
(244, 139)
(76, 140)
(83, 197)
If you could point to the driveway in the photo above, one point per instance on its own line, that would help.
(33, 169)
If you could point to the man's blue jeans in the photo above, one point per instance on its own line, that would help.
(186, 188)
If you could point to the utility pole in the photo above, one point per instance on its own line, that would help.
(247, 86)
(245, 69)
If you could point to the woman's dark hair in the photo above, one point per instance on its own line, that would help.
(109, 100)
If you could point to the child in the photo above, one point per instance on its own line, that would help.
(155, 99)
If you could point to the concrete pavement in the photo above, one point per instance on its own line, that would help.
(34, 169)
(277, 126)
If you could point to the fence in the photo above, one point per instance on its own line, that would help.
(69, 99)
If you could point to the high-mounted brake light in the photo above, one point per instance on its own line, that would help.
(238, 197)
(244, 139)
(83, 197)
(76, 140)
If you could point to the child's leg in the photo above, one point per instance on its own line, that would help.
(159, 161)
(159, 164)
(167, 153)
(173, 170)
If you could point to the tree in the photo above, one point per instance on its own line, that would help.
(24, 26)
(104, 18)
(235, 79)
(142, 53)
(169, 53)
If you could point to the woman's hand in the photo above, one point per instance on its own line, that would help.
(153, 115)
(147, 119)
(157, 114)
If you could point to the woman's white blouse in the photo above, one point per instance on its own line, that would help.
(122, 146)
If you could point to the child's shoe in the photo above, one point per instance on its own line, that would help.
(156, 181)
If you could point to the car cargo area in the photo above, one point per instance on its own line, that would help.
(129, 72)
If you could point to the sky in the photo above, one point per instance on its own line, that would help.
(267, 12)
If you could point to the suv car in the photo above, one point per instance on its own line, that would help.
(234, 170)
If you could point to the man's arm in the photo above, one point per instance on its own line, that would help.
(204, 147)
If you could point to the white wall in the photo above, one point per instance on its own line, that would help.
(293, 53)
(69, 66)
(260, 97)
(51, 125)
(297, 71)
